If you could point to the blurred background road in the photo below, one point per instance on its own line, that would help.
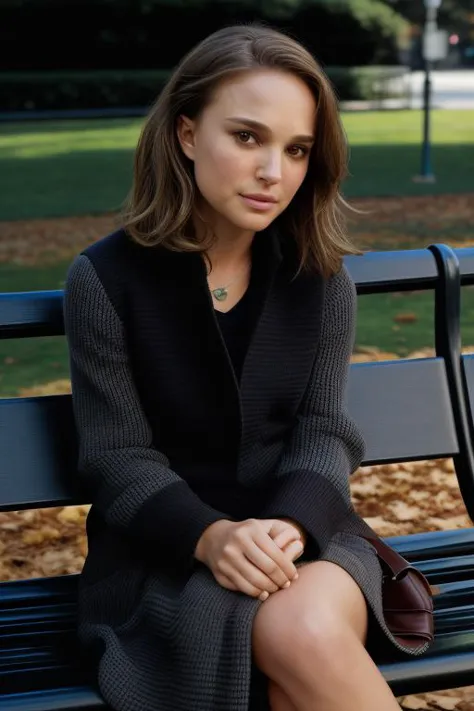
(451, 89)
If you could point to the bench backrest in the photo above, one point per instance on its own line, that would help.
(407, 409)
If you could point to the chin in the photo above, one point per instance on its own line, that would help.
(254, 223)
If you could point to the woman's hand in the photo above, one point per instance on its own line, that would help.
(296, 547)
(244, 555)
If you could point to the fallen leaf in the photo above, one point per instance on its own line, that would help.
(442, 702)
(408, 317)
(413, 703)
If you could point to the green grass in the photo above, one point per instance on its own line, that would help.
(65, 168)
(26, 362)
(84, 167)
(62, 168)
(386, 153)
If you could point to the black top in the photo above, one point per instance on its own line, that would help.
(237, 324)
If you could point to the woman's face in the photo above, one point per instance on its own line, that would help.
(250, 147)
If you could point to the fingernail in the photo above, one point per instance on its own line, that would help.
(295, 577)
(264, 596)
(287, 584)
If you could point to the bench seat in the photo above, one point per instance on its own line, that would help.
(40, 653)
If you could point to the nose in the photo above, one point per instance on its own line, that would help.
(270, 167)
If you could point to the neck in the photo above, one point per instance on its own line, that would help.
(229, 254)
(229, 251)
(232, 246)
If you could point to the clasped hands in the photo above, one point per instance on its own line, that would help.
(255, 556)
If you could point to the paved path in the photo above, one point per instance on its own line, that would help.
(450, 89)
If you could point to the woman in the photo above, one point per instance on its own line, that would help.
(209, 345)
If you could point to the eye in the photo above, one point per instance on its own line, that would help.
(298, 151)
(244, 136)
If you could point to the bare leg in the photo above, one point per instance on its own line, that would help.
(279, 700)
(340, 691)
(310, 640)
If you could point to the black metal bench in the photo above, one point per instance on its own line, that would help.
(407, 409)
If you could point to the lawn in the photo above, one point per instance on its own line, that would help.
(50, 169)
(83, 168)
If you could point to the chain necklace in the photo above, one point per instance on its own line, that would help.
(221, 292)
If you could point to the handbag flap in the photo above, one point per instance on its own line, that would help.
(395, 562)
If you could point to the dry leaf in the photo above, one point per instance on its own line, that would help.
(413, 703)
(408, 317)
(403, 512)
(444, 704)
(73, 514)
(466, 704)
(45, 533)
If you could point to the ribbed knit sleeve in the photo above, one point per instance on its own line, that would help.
(312, 476)
(129, 481)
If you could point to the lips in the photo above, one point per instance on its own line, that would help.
(259, 203)
(260, 198)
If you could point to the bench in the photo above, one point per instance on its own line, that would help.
(408, 410)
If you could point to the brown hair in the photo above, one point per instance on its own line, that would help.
(160, 204)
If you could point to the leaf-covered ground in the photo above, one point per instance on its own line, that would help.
(394, 499)
(382, 223)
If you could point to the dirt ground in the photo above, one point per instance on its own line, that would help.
(393, 499)
(391, 221)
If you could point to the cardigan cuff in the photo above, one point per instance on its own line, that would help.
(312, 501)
(174, 519)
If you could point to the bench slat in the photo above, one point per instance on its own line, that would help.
(441, 671)
(468, 367)
(403, 409)
(437, 670)
(409, 398)
(39, 313)
(37, 469)
(81, 698)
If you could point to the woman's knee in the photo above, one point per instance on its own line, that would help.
(294, 643)
(318, 619)
(322, 638)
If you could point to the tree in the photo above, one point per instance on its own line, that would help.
(453, 14)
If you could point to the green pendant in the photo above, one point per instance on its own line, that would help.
(220, 294)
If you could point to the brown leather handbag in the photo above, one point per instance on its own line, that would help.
(407, 597)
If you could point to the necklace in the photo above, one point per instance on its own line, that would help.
(221, 292)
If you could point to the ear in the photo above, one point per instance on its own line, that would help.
(185, 131)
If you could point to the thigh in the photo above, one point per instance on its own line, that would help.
(324, 602)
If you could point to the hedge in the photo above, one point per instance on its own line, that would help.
(42, 91)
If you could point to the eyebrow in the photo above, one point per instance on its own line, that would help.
(262, 127)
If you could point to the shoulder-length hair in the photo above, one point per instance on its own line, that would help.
(160, 204)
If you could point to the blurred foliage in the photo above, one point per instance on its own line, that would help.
(371, 14)
(452, 13)
(146, 34)
(106, 89)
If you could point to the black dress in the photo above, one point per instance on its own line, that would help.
(168, 444)
(237, 324)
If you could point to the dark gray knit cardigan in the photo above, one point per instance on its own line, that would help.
(169, 443)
